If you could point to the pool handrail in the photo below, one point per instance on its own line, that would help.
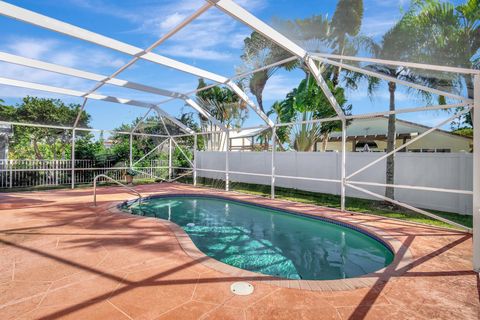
(111, 179)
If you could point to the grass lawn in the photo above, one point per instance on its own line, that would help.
(351, 204)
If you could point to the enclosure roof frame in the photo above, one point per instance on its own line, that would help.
(230, 8)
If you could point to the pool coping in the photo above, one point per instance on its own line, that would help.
(402, 254)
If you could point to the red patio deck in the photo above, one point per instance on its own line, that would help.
(62, 258)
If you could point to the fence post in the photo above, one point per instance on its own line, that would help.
(476, 173)
(73, 159)
(11, 174)
(274, 146)
(343, 164)
(170, 159)
(195, 159)
(131, 154)
(56, 172)
(227, 176)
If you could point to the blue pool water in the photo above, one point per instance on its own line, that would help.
(270, 241)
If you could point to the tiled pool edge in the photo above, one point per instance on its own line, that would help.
(403, 255)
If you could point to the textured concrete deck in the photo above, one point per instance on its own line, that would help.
(61, 258)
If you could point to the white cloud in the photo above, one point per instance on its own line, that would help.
(211, 32)
(237, 40)
(196, 53)
(31, 47)
(278, 86)
(381, 95)
(377, 27)
(172, 20)
(56, 52)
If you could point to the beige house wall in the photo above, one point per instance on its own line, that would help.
(434, 140)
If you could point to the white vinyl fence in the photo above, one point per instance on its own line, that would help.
(441, 170)
(33, 173)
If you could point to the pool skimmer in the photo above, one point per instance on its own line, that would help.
(242, 288)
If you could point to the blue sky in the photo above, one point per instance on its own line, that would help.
(213, 42)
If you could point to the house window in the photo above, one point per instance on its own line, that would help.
(365, 146)
(430, 150)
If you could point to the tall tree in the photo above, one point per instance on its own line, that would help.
(429, 32)
(43, 143)
(448, 35)
(258, 52)
(395, 45)
(223, 104)
(313, 33)
(308, 102)
(346, 24)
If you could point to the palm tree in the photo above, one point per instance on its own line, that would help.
(307, 102)
(430, 32)
(223, 104)
(346, 23)
(258, 52)
(312, 34)
(306, 135)
(439, 30)
(393, 46)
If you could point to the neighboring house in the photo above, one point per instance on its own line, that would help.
(240, 140)
(370, 135)
(6, 133)
(108, 143)
(244, 140)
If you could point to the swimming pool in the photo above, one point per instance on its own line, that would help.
(269, 241)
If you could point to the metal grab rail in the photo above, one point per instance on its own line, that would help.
(111, 179)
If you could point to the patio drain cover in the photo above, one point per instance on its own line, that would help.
(241, 288)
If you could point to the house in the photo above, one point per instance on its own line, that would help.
(244, 140)
(6, 133)
(370, 135)
(240, 140)
(108, 143)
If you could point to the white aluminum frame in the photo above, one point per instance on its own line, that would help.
(309, 59)
(39, 20)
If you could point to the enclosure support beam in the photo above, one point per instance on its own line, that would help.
(343, 164)
(405, 205)
(102, 79)
(170, 159)
(75, 93)
(36, 125)
(396, 80)
(204, 113)
(73, 159)
(234, 10)
(39, 20)
(274, 146)
(141, 121)
(315, 70)
(397, 63)
(227, 176)
(476, 174)
(182, 152)
(130, 149)
(150, 152)
(195, 159)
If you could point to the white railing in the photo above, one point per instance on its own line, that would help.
(115, 181)
(33, 173)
